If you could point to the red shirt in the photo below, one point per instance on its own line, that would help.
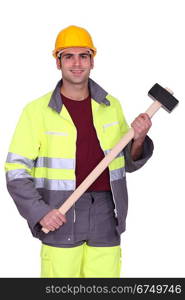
(88, 150)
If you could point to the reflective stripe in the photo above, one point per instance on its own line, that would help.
(118, 155)
(110, 124)
(49, 184)
(18, 173)
(117, 174)
(55, 163)
(18, 159)
(42, 162)
(53, 184)
(56, 133)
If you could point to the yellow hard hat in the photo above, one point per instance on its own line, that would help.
(73, 36)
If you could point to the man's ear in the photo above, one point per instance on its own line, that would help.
(58, 63)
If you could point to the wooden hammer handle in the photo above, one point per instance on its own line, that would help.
(103, 164)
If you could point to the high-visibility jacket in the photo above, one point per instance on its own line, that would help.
(40, 166)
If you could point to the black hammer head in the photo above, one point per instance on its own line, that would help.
(160, 94)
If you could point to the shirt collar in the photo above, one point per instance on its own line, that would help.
(97, 93)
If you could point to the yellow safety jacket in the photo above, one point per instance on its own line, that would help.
(40, 166)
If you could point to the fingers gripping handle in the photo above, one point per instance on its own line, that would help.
(103, 164)
(62, 210)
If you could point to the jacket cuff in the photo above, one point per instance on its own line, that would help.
(133, 165)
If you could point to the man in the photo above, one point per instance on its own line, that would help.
(58, 141)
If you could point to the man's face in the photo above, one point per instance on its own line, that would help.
(75, 64)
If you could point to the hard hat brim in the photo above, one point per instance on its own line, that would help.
(56, 51)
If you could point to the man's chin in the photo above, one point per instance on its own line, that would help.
(77, 80)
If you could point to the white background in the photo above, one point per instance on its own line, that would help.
(139, 43)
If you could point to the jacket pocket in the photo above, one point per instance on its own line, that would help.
(56, 142)
(110, 125)
(60, 133)
(111, 134)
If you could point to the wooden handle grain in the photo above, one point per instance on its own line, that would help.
(103, 164)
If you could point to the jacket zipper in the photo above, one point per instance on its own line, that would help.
(115, 209)
(74, 214)
(74, 217)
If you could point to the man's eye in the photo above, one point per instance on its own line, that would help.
(84, 56)
(68, 56)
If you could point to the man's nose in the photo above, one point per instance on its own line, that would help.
(76, 60)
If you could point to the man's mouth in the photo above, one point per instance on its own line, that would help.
(77, 72)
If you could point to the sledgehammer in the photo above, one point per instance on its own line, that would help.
(163, 98)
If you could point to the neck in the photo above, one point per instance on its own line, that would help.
(75, 91)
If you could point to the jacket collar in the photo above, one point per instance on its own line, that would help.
(97, 93)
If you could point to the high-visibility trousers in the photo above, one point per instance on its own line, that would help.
(81, 262)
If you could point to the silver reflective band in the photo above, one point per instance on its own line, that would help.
(117, 174)
(55, 184)
(55, 163)
(56, 133)
(16, 174)
(118, 155)
(18, 159)
(110, 124)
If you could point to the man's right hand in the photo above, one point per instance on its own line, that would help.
(53, 220)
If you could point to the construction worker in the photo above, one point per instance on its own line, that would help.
(59, 139)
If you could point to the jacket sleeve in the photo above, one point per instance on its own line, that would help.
(19, 165)
(133, 165)
(148, 147)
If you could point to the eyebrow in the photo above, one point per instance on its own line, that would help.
(82, 53)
